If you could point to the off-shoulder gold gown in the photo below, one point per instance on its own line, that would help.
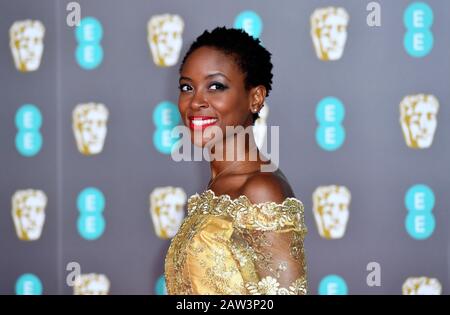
(231, 246)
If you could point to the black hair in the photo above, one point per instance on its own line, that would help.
(251, 57)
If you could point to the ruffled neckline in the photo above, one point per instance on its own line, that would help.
(266, 216)
(210, 194)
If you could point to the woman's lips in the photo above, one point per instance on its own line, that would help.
(201, 122)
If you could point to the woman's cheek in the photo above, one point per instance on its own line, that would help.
(182, 108)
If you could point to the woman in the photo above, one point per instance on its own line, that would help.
(244, 234)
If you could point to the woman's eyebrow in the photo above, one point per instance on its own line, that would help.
(217, 74)
(206, 77)
(184, 78)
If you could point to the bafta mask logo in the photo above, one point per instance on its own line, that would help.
(329, 32)
(165, 38)
(28, 212)
(89, 122)
(418, 118)
(91, 284)
(26, 40)
(421, 286)
(331, 210)
(167, 210)
(260, 126)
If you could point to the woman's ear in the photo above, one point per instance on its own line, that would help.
(257, 98)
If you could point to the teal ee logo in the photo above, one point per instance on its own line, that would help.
(333, 285)
(418, 19)
(420, 222)
(91, 204)
(250, 22)
(160, 286)
(330, 134)
(89, 52)
(28, 122)
(28, 284)
(165, 117)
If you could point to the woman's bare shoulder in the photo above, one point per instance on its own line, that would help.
(267, 186)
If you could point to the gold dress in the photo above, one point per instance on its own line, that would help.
(231, 246)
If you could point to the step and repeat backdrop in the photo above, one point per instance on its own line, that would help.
(88, 94)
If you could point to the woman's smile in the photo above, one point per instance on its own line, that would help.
(201, 122)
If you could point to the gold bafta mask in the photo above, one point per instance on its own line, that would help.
(418, 118)
(89, 123)
(260, 126)
(329, 32)
(26, 40)
(167, 210)
(421, 286)
(28, 212)
(331, 210)
(165, 38)
(91, 284)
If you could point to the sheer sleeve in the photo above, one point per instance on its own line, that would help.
(273, 235)
(280, 264)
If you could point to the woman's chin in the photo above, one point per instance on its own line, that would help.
(202, 142)
(206, 137)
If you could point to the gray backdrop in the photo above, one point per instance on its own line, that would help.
(372, 77)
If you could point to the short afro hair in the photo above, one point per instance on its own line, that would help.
(252, 58)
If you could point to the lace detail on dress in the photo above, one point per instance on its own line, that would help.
(266, 216)
(270, 286)
(231, 246)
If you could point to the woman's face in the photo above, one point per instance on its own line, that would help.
(213, 93)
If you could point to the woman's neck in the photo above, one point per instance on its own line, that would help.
(238, 153)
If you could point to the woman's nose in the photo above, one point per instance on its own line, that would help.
(199, 101)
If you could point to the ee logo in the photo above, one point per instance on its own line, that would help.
(28, 122)
(28, 284)
(420, 222)
(418, 19)
(250, 22)
(333, 285)
(90, 204)
(330, 134)
(160, 286)
(89, 52)
(165, 117)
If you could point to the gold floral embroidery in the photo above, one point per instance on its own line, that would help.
(266, 216)
(226, 246)
(176, 260)
(299, 286)
(270, 286)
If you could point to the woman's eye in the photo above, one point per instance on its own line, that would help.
(217, 86)
(184, 87)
